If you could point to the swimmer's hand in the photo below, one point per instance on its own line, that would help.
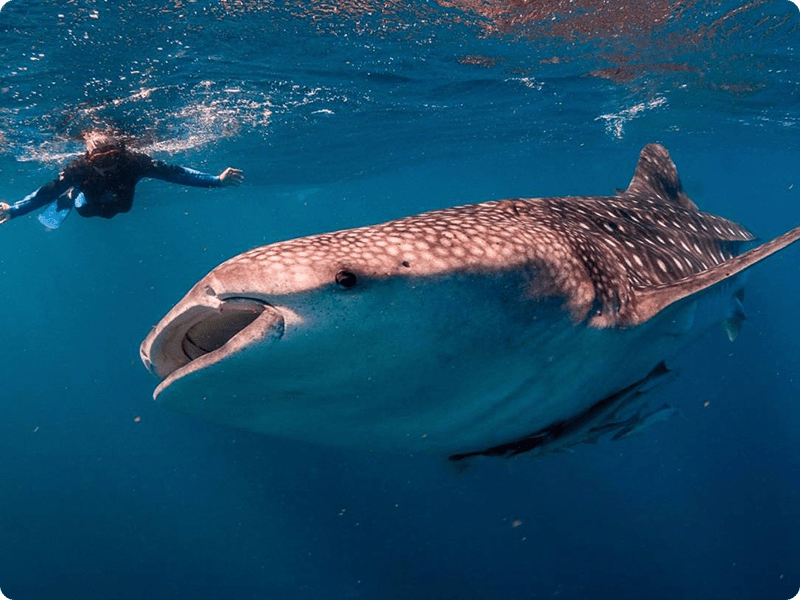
(231, 176)
(4, 214)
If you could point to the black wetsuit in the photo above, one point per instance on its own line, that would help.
(107, 192)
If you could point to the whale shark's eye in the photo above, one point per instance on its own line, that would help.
(346, 279)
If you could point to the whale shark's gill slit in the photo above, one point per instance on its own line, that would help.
(217, 328)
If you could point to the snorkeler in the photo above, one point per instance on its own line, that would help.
(101, 182)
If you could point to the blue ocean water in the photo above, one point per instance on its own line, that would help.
(349, 113)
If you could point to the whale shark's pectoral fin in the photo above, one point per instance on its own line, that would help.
(651, 301)
(587, 427)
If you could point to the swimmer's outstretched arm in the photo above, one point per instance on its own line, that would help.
(185, 176)
(41, 197)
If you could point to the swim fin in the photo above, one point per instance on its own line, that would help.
(53, 216)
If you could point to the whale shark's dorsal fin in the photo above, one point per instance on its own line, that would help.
(656, 175)
(651, 301)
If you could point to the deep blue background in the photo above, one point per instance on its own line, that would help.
(347, 118)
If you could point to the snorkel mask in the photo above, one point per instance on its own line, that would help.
(105, 159)
(103, 151)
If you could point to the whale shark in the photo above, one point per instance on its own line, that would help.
(515, 326)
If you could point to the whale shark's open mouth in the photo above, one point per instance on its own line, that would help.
(202, 335)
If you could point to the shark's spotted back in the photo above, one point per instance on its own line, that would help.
(596, 252)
